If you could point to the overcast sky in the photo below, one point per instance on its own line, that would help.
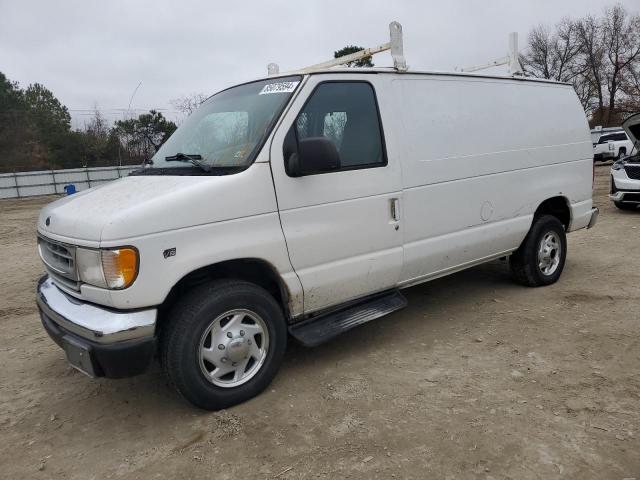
(96, 52)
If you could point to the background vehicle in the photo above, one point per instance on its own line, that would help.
(612, 146)
(625, 173)
(299, 205)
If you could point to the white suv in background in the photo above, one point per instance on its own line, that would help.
(614, 145)
(625, 173)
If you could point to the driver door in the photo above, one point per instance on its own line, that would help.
(343, 226)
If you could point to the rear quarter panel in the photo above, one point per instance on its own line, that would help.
(479, 155)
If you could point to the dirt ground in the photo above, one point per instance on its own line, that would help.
(477, 378)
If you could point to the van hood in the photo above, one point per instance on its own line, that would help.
(142, 205)
(632, 126)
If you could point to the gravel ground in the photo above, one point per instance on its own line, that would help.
(477, 378)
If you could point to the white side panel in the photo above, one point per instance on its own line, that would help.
(258, 237)
(343, 250)
(454, 128)
(478, 158)
(460, 221)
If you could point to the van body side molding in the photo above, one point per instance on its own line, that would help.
(317, 330)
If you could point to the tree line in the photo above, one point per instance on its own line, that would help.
(36, 133)
(600, 56)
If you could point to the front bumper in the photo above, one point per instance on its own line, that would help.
(98, 341)
(629, 196)
(624, 189)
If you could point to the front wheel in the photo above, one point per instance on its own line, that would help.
(540, 259)
(223, 343)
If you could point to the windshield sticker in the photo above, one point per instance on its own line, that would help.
(280, 87)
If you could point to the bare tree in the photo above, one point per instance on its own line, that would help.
(567, 50)
(621, 43)
(553, 55)
(631, 88)
(538, 60)
(600, 56)
(187, 104)
(97, 126)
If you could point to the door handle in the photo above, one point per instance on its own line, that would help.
(394, 204)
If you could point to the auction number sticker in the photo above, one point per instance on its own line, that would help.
(279, 87)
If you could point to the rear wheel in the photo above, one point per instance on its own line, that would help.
(540, 258)
(223, 343)
(621, 153)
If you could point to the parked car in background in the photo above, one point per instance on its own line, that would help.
(625, 173)
(612, 146)
(598, 131)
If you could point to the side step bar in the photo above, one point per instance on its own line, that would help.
(317, 330)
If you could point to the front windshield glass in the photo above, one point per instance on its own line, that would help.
(229, 128)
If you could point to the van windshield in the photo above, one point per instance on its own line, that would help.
(229, 128)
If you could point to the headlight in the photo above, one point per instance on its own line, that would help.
(113, 268)
(617, 166)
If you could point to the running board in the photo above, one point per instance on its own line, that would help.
(317, 330)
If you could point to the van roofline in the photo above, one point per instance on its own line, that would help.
(391, 70)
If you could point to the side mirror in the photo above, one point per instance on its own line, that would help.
(315, 155)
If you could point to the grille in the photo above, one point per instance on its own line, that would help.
(60, 262)
(631, 197)
(633, 171)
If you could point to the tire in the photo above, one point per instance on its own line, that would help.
(526, 263)
(196, 342)
(625, 206)
(621, 153)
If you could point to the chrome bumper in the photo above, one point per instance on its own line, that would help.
(594, 217)
(620, 195)
(93, 323)
(616, 197)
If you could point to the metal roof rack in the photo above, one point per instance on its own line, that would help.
(394, 44)
(511, 60)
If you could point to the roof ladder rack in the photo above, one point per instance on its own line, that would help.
(511, 60)
(394, 44)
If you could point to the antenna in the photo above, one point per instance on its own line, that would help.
(511, 60)
(394, 44)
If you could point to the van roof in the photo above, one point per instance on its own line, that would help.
(391, 70)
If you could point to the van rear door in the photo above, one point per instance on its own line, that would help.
(342, 226)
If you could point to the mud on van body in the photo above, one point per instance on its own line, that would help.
(299, 206)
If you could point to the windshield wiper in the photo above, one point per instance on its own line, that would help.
(194, 159)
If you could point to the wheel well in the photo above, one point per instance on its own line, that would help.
(251, 270)
(556, 206)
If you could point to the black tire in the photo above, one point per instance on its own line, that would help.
(190, 318)
(621, 153)
(625, 206)
(524, 262)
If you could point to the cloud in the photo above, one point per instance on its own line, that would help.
(96, 53)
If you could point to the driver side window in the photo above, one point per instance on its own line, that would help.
(345, 113)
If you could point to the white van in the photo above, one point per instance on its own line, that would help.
(299, 206)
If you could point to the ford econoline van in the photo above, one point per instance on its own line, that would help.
(298, 206)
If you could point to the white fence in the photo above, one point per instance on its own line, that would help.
(51, 182)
